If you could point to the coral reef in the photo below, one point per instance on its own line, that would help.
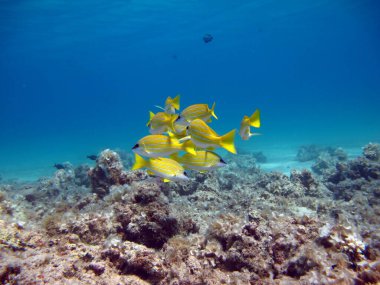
(314, 152)
(326, 160)
(359, 175)
(372, 151)
(235, 225)
(109, 170)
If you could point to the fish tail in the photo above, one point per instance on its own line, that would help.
(227, 141)
(175, 102)
(255, 119)
(151, 115)
(172, 121)
(189, 147)
(213, 111)
(139, 162)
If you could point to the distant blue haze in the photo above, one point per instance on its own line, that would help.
(80, 76)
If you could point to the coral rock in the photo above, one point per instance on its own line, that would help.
(108, 171)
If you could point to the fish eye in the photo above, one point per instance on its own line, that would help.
(135, 146)
(187, 127)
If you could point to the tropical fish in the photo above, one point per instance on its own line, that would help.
(179, 130)
(161, 122)
(92, 157)
(197, 111)
(207, 38)
(202, 161)
(171, 105)
(205, 137)
(166, 168)
(59, 166)
(161, 145)
(247, 123)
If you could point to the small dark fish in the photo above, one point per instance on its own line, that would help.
(92, 157)
(59, 166)
(207, 38)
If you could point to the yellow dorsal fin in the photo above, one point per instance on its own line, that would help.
(227, 141)
(139, 162)
(165, 180)
(255, 119)
(213, 111)
(151, 115)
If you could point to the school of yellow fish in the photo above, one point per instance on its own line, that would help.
(186, 131)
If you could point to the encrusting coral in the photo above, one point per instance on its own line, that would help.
(235, 225)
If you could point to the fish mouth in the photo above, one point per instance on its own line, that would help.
(135, 146)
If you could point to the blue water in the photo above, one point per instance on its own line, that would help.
(80, 76)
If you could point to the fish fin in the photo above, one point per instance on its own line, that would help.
(159, 107)
(255, 119)
(151, 172)
(175, 102)
(172, 121)
(213, 111)
(165, 180)
(254, 134)
(151, 115)
(181, 140)
(227, 141)
(189, 147)
(171, 135)
(140, 162)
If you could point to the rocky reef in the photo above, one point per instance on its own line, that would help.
(237, 225)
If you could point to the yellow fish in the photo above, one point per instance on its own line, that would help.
(160, 145)
(205, 137)
(202, 161)
(179, 130)
(247, 123)
(161, 122)
(166, 168)
(197, 111)
(171, 105)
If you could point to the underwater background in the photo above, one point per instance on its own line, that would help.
(77, 77)
(297, 205)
